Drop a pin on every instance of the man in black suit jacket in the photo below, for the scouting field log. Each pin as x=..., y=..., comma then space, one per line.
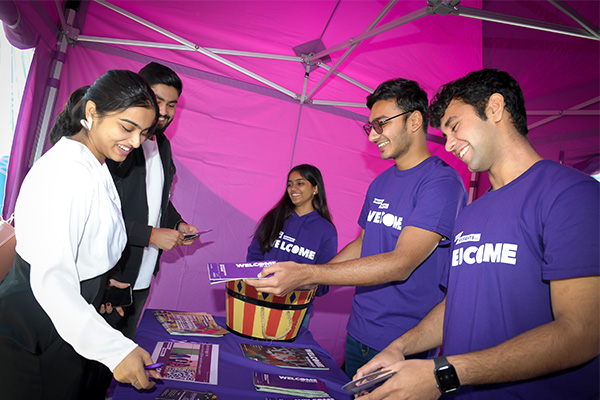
x=153, y=224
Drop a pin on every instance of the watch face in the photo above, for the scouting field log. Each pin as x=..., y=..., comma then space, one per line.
x=447, y=379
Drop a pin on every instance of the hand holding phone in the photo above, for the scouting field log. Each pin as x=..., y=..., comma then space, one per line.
x=118, y=297
x=190, y=236
x=368, y=382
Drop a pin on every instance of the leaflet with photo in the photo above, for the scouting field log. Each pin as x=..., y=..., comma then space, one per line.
x=223, y=272
x=286, y=357
x=188, y=361
x=291, y=385
x=189, y=323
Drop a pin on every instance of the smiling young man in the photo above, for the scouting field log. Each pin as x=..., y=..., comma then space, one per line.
x=153, y=224
x=397, y=260
x=521, y=316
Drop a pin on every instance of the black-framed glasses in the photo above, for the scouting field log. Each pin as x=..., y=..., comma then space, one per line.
x=378, y=125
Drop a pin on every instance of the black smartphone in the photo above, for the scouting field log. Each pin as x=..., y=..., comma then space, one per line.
x=118, y=297
x=190, y=236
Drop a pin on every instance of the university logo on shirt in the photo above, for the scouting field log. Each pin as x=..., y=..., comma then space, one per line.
x=382, y=217
x=287, y=243
x=502, y=253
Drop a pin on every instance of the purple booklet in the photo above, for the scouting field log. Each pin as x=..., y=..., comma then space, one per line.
x=291, y=385
x=223, y=272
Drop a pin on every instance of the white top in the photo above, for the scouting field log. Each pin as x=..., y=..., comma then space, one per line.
x=155, y=180
x=69, y=228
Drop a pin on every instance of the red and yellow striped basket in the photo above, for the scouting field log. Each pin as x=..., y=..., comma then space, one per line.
x=263, y=316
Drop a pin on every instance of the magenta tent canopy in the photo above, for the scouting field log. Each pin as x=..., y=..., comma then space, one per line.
x=272, y=84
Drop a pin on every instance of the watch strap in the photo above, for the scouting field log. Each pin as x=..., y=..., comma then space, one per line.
x=439, y=361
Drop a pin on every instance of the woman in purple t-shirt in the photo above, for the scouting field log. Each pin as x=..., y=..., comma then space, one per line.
x=298, y=228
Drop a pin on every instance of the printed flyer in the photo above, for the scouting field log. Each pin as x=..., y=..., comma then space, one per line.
x=188, y=362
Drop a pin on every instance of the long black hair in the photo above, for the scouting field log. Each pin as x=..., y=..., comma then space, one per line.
x=272, y=223
x=116, y=90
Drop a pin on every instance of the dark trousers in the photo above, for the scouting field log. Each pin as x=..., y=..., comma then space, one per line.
x=35, y=362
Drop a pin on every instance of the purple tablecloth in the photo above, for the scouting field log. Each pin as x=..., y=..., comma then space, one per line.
x=235, y=371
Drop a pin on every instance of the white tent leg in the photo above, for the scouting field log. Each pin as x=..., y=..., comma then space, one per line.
x=51, y=92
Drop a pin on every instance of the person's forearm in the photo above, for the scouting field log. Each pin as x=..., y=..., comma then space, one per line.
x=350, y=252
x=426, y=335
x=542, y=350
x=413, y=247
x=571, y=339
x=365, y=271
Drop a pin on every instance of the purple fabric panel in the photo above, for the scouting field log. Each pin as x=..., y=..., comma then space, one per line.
x=37, y=21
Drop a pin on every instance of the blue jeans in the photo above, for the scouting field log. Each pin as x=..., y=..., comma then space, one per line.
x=357, y=355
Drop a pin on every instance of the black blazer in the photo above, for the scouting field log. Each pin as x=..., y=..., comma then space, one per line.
x=130, y=179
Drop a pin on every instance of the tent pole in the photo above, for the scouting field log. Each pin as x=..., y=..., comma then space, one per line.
x=51, y=90
x=348, y=51
x=577, y=107
x=337, y=103
x=575, y=16
x=346, y=77
x=473, y=186
x=157, y=45
x=198, y=48
x=413, y=16
x=562, y=113
x=306, y=74
x=522, y=22
x=61, y=17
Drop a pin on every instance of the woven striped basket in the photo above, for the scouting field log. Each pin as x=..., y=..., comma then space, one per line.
x=257, y=315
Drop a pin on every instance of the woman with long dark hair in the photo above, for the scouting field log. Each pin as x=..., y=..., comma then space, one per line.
x=299, y=227
x=70, y=232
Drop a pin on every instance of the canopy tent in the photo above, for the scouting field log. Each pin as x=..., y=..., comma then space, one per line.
x=272, y=84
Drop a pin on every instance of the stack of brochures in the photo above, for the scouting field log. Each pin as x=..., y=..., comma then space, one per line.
x=189, y=323
x=290, y=385
x=281, y=356
x=223, y=272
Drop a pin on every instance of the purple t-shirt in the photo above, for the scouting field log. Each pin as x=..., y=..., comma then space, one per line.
x=428, y=196
x=309, y=239
x=507, y=246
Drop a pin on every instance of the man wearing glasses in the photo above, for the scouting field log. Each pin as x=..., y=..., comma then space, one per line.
x=408, y=215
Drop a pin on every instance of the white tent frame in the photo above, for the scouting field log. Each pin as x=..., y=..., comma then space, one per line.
x=440, y=7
